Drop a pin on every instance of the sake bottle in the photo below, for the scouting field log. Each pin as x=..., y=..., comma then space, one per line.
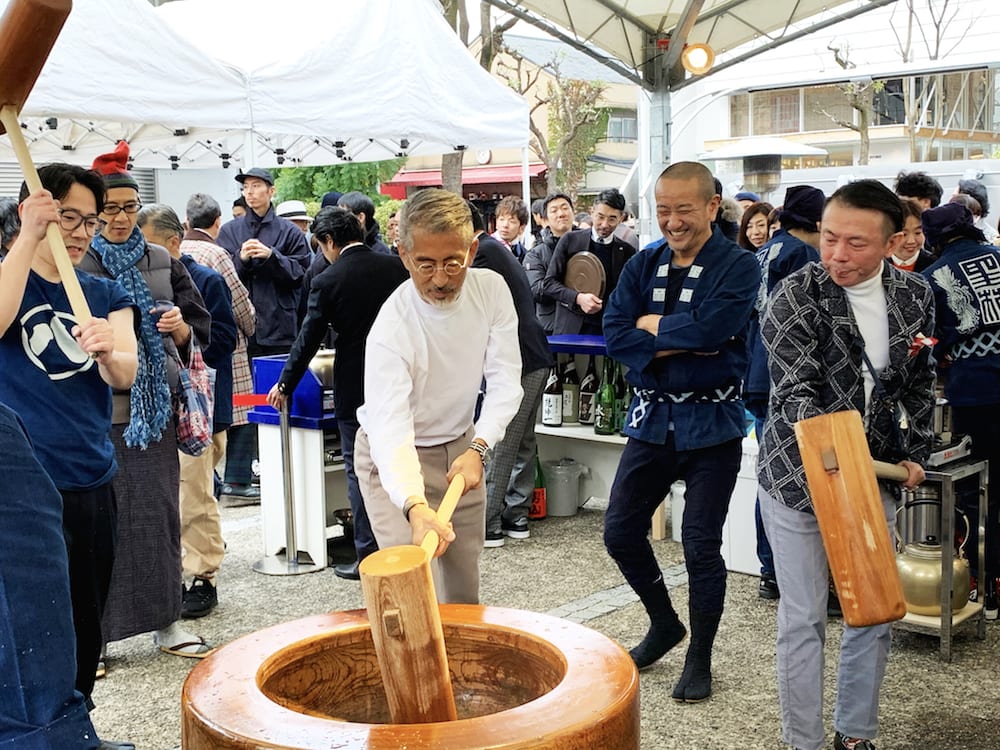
x=588, y=393
x=552, y=400
x=538, y=506
x=571, y=392
x=604, y=408
x=623, y=398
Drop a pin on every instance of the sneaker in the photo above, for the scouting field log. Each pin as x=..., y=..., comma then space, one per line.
x=516, y=529
x=840, y=742
x=493, y=539
x=199, y=600
x=768, y=588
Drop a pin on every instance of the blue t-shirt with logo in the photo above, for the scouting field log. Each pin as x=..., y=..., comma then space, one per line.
x=55, y=387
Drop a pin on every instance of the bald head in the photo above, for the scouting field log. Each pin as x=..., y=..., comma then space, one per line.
x=694, y=172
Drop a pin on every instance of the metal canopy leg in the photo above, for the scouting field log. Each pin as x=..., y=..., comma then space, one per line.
x=291, y=562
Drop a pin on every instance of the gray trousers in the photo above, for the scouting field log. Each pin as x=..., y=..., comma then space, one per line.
x=510, y=475
x=800, y=566
x=456, y=572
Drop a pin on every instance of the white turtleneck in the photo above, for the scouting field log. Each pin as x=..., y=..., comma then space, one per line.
x=867, y=300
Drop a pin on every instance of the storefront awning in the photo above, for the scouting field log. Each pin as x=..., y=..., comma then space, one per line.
x=506, y=173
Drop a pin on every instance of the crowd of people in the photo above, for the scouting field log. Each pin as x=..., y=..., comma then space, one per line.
x=819, y=304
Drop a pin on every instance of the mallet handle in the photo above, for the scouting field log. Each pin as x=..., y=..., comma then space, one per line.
x=885, y=470
x=81, y=310
x=444, y=511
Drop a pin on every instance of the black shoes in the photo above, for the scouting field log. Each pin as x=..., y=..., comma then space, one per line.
x=516, y=529
x=493, y=539
x=199, y=600
x=840, y=742
x=110, y=745
x=348, y=571
x=658, y=641
x=768, y=588
x=238, y=495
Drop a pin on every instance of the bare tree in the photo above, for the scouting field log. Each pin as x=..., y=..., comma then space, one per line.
x=921, y=109
x=571, y=106
x=491, y=39
x=859, y=96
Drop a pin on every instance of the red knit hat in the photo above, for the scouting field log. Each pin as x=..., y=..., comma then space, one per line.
x=114, y=168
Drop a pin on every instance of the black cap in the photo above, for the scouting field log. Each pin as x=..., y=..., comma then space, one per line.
x=259, y=173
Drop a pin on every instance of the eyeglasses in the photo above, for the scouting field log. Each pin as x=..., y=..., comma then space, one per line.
x=70, y=219
x=450, y=267
x=113, y=209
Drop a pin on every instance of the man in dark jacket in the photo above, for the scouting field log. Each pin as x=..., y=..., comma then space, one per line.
x=345, y=297
x=582, y=312
x=510, y=474
x=271, y=256
x=677, y=320
x=558, y=208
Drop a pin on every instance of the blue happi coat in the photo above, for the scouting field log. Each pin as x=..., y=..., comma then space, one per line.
x=696, y=393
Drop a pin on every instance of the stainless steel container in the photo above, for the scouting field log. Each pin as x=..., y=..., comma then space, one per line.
x=922, y=517
x=321, y=365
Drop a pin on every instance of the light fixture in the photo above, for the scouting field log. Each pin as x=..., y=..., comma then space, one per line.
x=697, y=59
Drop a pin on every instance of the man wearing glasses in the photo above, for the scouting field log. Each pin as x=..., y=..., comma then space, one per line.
x=433, y=343
x=58, y=374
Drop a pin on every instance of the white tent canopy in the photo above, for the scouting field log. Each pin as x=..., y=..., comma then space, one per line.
x=199, y=83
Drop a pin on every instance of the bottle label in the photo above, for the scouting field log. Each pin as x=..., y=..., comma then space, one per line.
x=538, y=507
x=571, y=403
x=586, y=408
x=552, y=409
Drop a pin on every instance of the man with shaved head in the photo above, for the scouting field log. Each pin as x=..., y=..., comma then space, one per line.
x=677, y=320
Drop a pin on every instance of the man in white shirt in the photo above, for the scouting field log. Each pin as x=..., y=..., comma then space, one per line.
x=435, y=341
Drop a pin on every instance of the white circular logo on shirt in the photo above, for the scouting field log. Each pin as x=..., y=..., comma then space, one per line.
x=49, y=345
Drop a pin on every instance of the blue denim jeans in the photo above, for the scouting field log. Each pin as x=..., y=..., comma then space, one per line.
x=39, y=709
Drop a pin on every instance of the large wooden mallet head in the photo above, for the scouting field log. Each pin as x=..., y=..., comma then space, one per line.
x=848, y=507
x=406, y=625
x=28, y=30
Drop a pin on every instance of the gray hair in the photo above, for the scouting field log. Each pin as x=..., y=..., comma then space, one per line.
x=202, y=210
x=435, y=211
x=162, y=218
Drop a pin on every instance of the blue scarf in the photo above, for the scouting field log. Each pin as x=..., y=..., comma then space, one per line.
x=149, y=401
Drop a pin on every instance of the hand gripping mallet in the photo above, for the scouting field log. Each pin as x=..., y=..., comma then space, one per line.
x=406, y=625
x=28, y=30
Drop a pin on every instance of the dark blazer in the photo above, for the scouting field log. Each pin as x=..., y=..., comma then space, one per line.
x=569, y=318
x=535, y=354
x=346, y=297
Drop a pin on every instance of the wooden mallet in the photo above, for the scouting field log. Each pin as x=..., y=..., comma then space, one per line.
x=848, y=506
x=406, y=625
x=28, y=30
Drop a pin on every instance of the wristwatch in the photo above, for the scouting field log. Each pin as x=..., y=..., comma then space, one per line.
x=480, y=447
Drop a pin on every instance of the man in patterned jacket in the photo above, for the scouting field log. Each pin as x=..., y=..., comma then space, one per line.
x=842, y=334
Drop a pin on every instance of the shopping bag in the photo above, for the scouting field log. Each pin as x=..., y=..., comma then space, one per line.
x=194, y=402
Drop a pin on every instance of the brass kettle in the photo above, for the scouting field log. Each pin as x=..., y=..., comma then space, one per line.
x=919, y=566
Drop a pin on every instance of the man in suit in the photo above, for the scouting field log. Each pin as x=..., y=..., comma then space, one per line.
x=346, y=296
x=582, y=312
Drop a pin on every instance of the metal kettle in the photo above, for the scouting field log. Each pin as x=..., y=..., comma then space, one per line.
x=321, y=365
x=919, y=566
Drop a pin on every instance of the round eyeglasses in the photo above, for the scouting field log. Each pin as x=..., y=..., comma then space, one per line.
x=70, y=219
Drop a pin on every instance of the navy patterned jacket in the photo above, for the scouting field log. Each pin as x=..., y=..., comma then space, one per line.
x=815, y=364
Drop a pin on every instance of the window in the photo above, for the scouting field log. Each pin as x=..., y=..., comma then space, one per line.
x=820, y=100
x=776, y=112
x=739, y=115
x=623, y=127
x=890, y=109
